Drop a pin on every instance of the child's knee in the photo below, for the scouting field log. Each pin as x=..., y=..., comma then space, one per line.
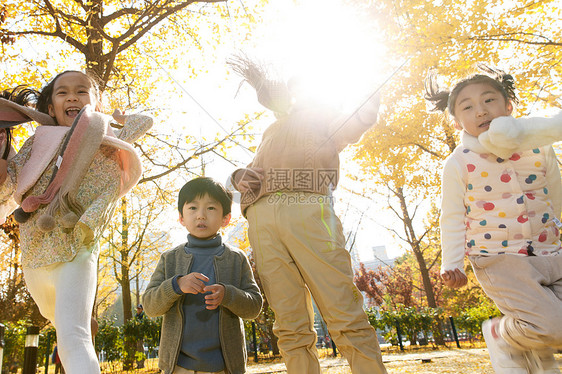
x=73, y=335
x=553, y=336
x=549, y=333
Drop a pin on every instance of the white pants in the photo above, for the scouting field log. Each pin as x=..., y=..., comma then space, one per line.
x=65, y=293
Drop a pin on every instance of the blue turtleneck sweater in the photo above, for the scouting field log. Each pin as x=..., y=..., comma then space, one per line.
x=200, y=347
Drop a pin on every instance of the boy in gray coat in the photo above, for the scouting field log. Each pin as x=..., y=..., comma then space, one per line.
x=203, y=288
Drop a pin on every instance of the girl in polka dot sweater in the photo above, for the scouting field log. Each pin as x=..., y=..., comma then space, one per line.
x=501, y=202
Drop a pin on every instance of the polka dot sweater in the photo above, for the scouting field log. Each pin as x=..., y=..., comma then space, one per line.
x=492, y=205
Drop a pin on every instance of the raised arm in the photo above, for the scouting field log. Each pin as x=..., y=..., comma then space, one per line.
x=349, y=127
x=134, y=125
x=508, y=135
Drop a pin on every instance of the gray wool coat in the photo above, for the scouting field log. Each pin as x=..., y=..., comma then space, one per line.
x=242, y=299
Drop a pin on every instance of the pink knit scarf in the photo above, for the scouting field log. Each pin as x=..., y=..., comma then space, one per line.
x=77, y=153
x=74, y=157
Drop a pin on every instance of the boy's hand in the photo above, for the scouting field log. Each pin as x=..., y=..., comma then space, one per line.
x=119, y=116
x=3, y=170
x=249, y=179
x=454, y=278
x=192, y=283
x=215, y=297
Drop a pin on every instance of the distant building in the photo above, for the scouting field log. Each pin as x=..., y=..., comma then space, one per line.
x=380, y=258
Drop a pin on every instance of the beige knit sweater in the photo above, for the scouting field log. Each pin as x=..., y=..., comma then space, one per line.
x=300, y=152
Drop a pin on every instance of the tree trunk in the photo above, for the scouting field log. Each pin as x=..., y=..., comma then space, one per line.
x=95, y=59
x=129, y=344
x=414, y=242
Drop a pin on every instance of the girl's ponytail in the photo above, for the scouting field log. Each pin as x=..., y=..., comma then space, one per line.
x=434, y=94
x=21, y=95
x=272, y=94
x=7, y=147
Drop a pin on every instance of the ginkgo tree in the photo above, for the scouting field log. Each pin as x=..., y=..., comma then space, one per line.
x=127, y=47
x=106, y=33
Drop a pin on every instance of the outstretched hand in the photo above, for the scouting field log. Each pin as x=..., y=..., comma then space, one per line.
x=119, y=116
x=454, y=278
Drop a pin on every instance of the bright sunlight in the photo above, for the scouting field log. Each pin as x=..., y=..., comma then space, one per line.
x=335, y=51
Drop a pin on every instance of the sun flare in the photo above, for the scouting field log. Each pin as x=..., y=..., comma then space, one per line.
x=333, y=49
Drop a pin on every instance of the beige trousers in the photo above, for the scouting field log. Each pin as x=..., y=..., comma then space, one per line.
x=299, y=249
x=528, y=291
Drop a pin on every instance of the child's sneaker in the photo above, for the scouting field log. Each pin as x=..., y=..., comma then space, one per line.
x=542, y=362
x=504, y=358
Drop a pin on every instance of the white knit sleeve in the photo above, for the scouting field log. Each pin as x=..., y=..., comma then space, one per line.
x=508, y=135
x=553, y=182
x=452, y=216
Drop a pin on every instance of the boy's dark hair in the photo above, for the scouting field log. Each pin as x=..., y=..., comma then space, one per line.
x=444, y=99
x=45, y=97
x=202, y=186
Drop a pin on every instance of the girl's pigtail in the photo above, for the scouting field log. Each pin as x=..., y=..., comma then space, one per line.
x=434, y=94
x=508, y=83
x=21, y=95
x=506, y=80
x=272, y=94
x=7, y=149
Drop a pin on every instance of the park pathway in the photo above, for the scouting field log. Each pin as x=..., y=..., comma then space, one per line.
x=478, y=354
